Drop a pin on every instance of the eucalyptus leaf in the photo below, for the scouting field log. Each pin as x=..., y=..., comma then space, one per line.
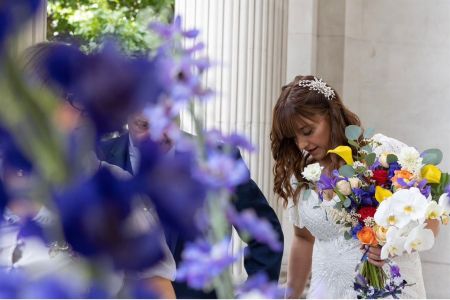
x=347, y=235
x=391, y=158
x=346, y=171
x=432, y=156
x=368, y=133
x=370, y=159
x=353, y=132
x=347, y=202
x=367, y=148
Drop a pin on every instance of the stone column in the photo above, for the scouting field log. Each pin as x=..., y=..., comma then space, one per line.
x=247, y=40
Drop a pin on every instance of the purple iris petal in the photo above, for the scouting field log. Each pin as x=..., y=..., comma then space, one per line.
x=392, y=168
x=247, y=221
x=95, y=218
x=262, y=286
x=31, y=228
x=203, y=262
x=12, y=156
x=173, y=189
x=356, y=229
x=366, y=196
x=395, y=270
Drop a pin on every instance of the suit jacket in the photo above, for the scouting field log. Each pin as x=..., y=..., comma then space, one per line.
x=259, y=257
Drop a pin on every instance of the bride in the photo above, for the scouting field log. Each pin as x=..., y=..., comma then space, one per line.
x=308, y=120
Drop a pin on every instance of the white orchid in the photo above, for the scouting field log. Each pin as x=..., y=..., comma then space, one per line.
x=387, y=214
x=394, y=243
x=419, y=239
x=410, y=204
x=444, y=202
x=312, y=172
x=434, y=210
x=410, y=160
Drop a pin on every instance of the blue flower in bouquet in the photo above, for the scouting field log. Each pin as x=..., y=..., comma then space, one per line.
x=95, y=216
x=395, y=166
x=259, y=287
x=169, y=181
x=366, y=196
x=109, y=85
x=13, y=14
x=11, y=282
x=202, y=262
x=356, y=229
x=31, y=228
x=259, y=229
x=214, y=139
x=4, y=198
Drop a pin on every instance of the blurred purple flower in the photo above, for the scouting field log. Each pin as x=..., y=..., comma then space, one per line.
x=395, y=270
x=169, y=182
x=392, y=168
x=248, y=222
x=220, y=170
x=109, y=85
x=174, y=30
x=10, y=154
x=31, y=228
x=202, y=262
x=96, y=221
x=214, y=139
x=4, y=199
x=259, y=286
x=13, y=14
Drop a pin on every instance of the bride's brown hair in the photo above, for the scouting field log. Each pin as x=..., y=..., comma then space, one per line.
x=295, y=103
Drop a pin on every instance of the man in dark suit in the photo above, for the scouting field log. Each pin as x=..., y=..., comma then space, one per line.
x=121, y=151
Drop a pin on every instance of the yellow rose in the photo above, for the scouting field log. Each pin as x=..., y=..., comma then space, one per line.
x=380, y=233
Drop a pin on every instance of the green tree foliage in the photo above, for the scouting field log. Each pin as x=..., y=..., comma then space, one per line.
x=87, y=22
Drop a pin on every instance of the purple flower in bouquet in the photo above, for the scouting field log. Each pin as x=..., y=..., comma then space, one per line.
x=366, y=196
x=214, y=139
x=203, y=262
x=31, y=228
x=174, y=30
x=395, y=270
x=259, y=286
x=259, y=229
x=169, y=181
x=395, y=166
x=95, y=216
x=355, y=230
x=13, y=14
x=4, y=198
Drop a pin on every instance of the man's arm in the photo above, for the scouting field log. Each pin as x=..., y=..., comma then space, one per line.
x=260, y=257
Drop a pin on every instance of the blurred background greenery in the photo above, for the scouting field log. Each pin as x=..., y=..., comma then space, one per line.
x=87, y=22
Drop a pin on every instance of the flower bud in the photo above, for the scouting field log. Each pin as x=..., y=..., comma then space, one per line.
x=354, y=182
x=344, y=187
x=383, y=160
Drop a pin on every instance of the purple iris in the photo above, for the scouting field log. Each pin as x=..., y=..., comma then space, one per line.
x=248, y=222
x=395, y=270
x=215, y=139
x=262, y=286
x=356, y=229
x=12, y=156
x=4, y=199
x=395, y=166
x=203, y=262
x=95, y=216
x=169, y=181
x=109, y=85
x=366, y=196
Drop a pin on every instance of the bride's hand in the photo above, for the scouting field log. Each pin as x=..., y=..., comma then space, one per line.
x=373, y=255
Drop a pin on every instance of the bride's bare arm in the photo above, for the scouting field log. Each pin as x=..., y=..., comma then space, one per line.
x=300, y=259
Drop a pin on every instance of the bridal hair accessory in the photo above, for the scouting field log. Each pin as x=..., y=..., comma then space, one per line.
x=318, y=85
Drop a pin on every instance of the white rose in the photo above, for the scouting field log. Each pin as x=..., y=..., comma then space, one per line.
x=312, y=172
x=344, y=187
x=383, y=160
x=354, y=182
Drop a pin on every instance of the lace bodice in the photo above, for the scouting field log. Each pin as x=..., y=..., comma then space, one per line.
x=334, y=258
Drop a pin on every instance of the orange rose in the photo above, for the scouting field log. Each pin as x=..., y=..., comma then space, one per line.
x=367, y=237
x=405, y=175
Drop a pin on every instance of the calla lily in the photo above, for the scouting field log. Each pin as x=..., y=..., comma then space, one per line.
x=345, y=152
x=431, y=173
x=381, y=193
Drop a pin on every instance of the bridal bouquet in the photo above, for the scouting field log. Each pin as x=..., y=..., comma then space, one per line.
x=384, y=199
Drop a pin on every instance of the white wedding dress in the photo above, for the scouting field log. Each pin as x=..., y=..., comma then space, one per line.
x=334, y=258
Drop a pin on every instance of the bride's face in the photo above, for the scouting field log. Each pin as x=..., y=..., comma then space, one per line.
x=313, y=135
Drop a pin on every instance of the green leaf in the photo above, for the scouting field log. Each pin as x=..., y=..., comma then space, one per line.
x=347, y=235
x=367, y=148
x=338, y=206
x=306, y=194
x=432, y=156
x=346, y=171
x=368, y=133
x=353, y=132
x=347, y=202
x=391, y=158
x=370, y=159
